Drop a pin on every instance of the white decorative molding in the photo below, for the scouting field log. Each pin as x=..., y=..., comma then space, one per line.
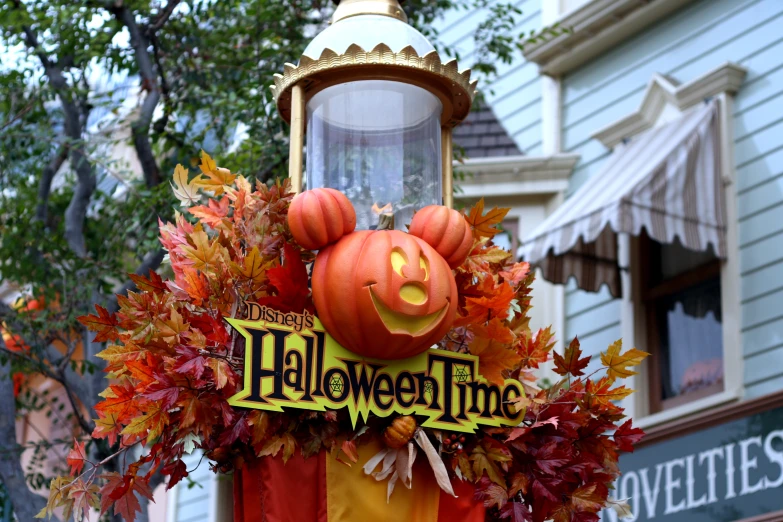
x=663, y=91
x=514, y=175
x=595, y=27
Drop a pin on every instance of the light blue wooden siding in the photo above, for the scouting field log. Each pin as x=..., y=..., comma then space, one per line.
x=194, y=503
x=515, y=93
x=594, y=317
x=684, y=46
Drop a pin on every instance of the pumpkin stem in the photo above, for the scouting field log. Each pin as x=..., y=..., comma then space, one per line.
x=385, y=222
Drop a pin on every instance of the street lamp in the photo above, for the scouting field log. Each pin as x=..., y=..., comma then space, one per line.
x=377, y=105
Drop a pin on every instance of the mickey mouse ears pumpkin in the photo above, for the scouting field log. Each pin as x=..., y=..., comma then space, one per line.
x=320, y=217
x=381, y=293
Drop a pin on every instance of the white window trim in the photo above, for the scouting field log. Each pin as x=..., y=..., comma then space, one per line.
x=596, y=26
x=515, y=175
x=721, y=83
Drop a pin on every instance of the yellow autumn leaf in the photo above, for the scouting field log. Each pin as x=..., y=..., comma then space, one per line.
x=485, y=459
x=148, y=425
x=217, y=178
x=184, y=190
x=254, y=266
x=220, y=370
x=202, y=253
x=170, y=329
x=618, y=365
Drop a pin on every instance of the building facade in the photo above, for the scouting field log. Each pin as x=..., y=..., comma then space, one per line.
x=659, y=220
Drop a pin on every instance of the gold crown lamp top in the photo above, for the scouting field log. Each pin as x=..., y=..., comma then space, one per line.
x=371, y=40
x=348, y=8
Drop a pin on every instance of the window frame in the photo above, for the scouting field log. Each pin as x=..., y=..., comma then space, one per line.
x=648, y=296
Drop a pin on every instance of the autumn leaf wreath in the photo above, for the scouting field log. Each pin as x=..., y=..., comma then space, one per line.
x=173, y=362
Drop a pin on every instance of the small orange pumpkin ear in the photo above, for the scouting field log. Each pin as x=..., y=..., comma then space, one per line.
x=446, y=231
x=320, y=216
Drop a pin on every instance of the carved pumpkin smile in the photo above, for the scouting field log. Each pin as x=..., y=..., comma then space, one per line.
x=398, y=322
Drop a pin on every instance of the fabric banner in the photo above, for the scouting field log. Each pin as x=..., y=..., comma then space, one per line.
x=321, y=489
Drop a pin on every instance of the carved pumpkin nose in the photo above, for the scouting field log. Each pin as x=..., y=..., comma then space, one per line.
x=413, y=293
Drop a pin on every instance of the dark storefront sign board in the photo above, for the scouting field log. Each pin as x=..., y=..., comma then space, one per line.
x=724, y=466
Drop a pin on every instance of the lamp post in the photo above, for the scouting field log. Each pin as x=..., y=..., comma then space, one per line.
x=375, y=105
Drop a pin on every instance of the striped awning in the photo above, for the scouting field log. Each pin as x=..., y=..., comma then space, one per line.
x=666, y=180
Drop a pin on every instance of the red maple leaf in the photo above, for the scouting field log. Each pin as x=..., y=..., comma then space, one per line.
x=570, y=362
x=190, y=362
x=516, y=512
x=104, y=323
x=120, y=491
x=626, y=436
x=165, y=390
x=152, y=284
x=176, y=471
x=76, y=457
x=551, y=457
x=289, y=281
x=492, y=494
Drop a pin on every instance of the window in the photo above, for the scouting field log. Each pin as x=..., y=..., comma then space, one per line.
x=681, y=293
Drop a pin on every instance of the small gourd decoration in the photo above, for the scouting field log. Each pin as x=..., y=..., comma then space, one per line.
x=383, y=294
x=400, y=431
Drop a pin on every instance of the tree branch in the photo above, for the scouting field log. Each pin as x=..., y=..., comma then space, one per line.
x=50, y=363
x=149, y=82
x=163, y=17
x=45, y=183
x=26, y=503
x=85, y=186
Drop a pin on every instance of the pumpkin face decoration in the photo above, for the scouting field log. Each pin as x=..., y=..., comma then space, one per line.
x=384, y=294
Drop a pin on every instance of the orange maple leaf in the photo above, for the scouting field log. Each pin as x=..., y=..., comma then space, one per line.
x=212, y=214
x=494, y=358
x=195, y=285
x=516, y=273
x=204, y=253
x=495, y=329
x=484, y=225
x=216, y=178
x=483, y=309
x=603, y=393
x=535, y=349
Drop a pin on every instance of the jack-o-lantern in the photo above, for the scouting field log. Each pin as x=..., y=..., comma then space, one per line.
x=384, y=293
x=380, y=293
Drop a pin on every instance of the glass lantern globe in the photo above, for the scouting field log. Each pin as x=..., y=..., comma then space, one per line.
x=378, y=142
x=372, y=105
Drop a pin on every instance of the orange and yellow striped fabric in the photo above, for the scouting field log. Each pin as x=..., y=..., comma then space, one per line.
x=320, y=489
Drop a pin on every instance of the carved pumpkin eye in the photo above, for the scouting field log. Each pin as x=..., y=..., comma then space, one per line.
x=425, y=266
x=398, y=260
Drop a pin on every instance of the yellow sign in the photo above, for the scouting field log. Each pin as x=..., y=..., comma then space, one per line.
x=291, y=362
